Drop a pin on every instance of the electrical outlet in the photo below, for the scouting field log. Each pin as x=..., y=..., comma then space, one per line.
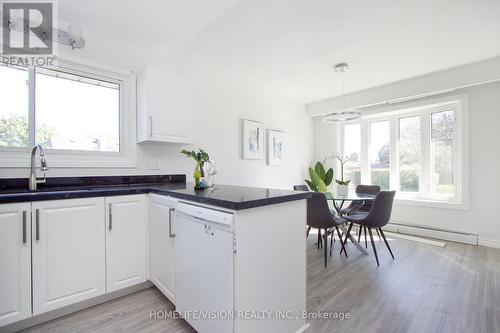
x=154, y=164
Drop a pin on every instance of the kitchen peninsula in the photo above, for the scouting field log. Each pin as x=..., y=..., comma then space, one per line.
x=228, y=251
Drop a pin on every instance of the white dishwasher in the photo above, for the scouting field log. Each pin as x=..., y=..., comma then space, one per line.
x=204, y=268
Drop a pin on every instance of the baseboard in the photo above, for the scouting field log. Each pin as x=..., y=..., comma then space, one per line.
x=44, y=317
x=493, y=243
x=449, y=235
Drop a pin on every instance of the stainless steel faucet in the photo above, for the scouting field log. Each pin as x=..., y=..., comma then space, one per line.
x=43, y=166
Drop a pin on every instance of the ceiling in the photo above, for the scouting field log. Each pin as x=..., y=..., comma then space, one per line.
x=290, y=46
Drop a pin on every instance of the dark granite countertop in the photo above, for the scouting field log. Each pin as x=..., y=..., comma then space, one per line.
x=226, y=196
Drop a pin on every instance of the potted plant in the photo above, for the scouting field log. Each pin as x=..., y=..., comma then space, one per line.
x=320, y=179
x=201, y=157
x=342, y=185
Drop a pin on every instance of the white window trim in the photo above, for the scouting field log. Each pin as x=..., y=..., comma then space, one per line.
x=57, y=158
x=393, y=113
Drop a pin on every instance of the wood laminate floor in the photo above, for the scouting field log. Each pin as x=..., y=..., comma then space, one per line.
x=425, y=289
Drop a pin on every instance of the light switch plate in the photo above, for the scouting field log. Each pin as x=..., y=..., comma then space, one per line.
x=154, y=164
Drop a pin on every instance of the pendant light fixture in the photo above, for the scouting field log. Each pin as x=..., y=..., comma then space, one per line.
x=345, y=114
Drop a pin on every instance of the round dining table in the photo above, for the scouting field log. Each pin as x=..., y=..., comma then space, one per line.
x=338, y=203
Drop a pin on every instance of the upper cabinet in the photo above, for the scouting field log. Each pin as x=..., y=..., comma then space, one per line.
x=165, y=108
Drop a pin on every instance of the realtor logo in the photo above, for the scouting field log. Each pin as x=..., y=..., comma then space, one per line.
x=28, y=28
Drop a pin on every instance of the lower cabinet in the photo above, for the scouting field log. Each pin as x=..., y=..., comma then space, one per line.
x=161, y=217
x=126, y=241
x=15, y=262
x=60, y=252
x=68, y=252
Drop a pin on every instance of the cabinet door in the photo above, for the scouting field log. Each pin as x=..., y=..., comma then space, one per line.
x=68, y=252
x=165, y=107
x=15, y=263
x=161, y=243
x=126, y=241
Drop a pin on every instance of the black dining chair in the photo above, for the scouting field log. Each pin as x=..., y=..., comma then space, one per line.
x=300, y=188
x=306, y=188
x=319, y=216
x=378, y=216
x=363, y=206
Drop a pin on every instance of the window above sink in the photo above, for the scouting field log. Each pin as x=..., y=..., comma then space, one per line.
x=81, y=114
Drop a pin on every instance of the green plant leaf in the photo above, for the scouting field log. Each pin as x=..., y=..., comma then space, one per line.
x=187, y=153
x=320, y=170
x=311, y=186
x=329, y=177
x=317, y=181
x=204, y=156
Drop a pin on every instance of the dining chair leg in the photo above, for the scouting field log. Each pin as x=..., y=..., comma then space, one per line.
x=373, y=245
x=325, y=247
x=380, y=239
x=320, y=240
x=332, y=239
x=360, y=228
x=308, y=231
x=347, y=236
x=341, y=244
x=386, y=243
x=366, y=240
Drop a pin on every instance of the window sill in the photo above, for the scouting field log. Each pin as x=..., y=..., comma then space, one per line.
x=413, y=202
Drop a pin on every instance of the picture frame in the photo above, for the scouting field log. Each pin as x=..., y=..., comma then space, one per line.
x=276, y=147
x=252, y=140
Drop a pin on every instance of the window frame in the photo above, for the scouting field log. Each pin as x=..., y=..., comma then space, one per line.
x=17, y=157
x=423, y=108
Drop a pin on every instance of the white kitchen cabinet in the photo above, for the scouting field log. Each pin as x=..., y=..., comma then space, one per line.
x=68, y=252
x=126, y=241
x=162, y=226
x=15, y=262
x=165, y=107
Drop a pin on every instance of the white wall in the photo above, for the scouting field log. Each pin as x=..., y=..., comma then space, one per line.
x=222, y=100
x=484, y=160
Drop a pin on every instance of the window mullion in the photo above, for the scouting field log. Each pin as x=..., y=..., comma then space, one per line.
x=425, y=168
x=365, y=160
x=394, y=153
x=457, y=154
x=31, y=106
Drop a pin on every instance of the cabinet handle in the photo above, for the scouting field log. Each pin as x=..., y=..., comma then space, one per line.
x=170, y=234
x=25, y=221
x=110, y=216
x=37, y=224
x=150, y=126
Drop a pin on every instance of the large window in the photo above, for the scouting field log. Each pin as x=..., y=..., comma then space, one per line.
x=417, y=151
x=14, y=108
x=352, y=150
x=58, y=110
x=410, y=160
x=380, y=154
x=442, y=151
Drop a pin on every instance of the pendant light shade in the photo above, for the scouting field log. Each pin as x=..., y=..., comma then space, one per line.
x=342, y=116
x=345, y=114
